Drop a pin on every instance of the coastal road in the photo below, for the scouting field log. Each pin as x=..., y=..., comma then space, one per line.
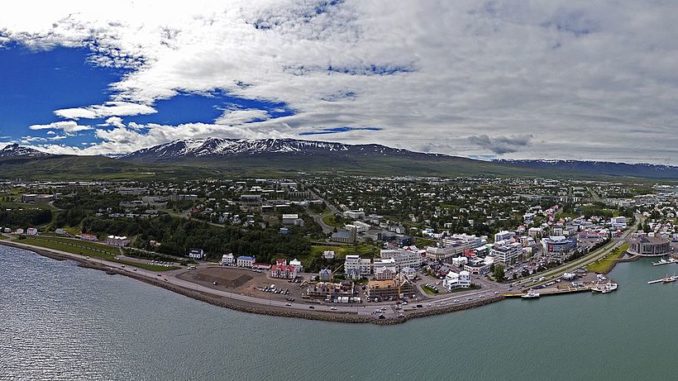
x=580, y=262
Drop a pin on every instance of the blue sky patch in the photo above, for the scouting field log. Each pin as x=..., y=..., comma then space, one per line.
x=337, y=130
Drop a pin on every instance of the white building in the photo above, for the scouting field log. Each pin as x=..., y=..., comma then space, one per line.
x=506, y=254
x=454, y=246
x=292, y=219
x=117, y=241
x=228, y=259
x=459, y=261
x=297, y=265
x=356, y=267
x=245, y=261
x=503, y=236
x=403, y=258
x=453, y=280
x=196, y=254
x=384, y=268
x=354, y=214
x=409, y=273
x=32, y=231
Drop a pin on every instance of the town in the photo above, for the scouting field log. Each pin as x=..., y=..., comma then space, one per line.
x=382, y=248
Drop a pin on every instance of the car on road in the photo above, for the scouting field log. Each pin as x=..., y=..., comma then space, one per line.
x=288, y=305
x=333, y=308
x=311, y=307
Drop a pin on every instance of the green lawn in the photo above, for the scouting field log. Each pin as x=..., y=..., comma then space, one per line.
x=90, y=249
x=604, y=265
x=330, y=219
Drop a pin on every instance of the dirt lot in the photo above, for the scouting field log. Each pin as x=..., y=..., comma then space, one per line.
x=243, y=281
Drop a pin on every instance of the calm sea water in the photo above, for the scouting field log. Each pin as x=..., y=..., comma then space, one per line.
x=62, y=322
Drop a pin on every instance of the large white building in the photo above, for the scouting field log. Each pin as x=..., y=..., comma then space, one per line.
x=403, y=258
x=454, y=246
x=356, y=267
x=228, y=259
x=245, y=261
x=453, y=280
x=506, y=254
x=503, y=236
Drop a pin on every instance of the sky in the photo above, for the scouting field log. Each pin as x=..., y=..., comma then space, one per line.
x=556, y=79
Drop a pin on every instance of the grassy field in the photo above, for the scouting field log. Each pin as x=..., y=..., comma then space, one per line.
x=604, y=265
x=90, y=249
x=330, y=219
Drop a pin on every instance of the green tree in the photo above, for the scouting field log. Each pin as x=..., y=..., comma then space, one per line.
x=498, y=273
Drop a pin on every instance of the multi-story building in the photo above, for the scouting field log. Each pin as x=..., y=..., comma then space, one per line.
x=402, y=257
x=506, y=254
x=245, y=261
x=356, y=267
x=461, y=280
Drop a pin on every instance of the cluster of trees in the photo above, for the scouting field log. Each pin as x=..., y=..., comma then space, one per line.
x=177, y=236
x=24, y=217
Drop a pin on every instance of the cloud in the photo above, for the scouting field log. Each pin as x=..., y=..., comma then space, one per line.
x=235, y=117
x=501, y=144
x=69, y=127
x=429, y=73
x=106, y=110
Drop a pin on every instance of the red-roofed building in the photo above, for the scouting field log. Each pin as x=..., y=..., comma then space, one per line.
x=282, y=270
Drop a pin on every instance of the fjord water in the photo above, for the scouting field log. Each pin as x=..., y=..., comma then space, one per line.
x=62, y=322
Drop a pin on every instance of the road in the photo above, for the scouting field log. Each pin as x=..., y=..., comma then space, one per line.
x=581, y=262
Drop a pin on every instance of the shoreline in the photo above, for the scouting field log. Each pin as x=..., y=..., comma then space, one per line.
x=244, y=306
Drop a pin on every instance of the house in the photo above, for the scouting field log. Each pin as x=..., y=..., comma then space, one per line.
x=88, y=237
x=409, y=273
x=196, y=254
x=325, y=275
x=32, y=231
x=282, y=270
x=384, y=273
x=328, y=254
x=117, y=241
x=228, y=259
x=297, y=265
x=245, y=261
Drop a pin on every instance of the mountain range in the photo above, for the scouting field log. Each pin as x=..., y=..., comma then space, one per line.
x=219, y=156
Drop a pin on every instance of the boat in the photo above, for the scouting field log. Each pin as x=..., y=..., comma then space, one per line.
x=670, y=279
x=661, y=262
x=605, y=288
x=664, y=261
x=531, y=294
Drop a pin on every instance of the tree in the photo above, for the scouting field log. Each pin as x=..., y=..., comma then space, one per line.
x=498, y=273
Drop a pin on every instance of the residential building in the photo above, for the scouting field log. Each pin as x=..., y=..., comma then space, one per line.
x=117, y=241
x=503, y=236
x=282, y=270
x=196, y=254
x=356, y=267
x=228, y=259
x=245, y=261
x=325, y=275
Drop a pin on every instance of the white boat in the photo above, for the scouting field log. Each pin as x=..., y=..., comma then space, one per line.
x=605, y=288
x=531, y=294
